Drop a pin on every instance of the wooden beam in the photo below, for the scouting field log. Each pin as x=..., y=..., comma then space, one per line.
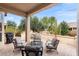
x=41, y=7
x=9, y=9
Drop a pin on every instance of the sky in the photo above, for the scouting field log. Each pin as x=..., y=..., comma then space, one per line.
x=63, y=12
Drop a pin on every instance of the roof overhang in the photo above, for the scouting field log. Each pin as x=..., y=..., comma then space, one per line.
x=24, y=9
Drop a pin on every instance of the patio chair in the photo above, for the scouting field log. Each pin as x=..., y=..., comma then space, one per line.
x=52, y=44
x=18, y=44
x=37, y=37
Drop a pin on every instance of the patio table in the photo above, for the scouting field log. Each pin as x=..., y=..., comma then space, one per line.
x=35, y=49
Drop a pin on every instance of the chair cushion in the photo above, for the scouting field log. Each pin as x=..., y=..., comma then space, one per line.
x=52, y=44
x=20, y=42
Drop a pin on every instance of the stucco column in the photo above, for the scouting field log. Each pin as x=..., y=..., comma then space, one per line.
x=2, y=22
x=3, y=38
x=78, y=31
x=27, y=28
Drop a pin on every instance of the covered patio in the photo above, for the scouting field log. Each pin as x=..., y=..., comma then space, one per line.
x=26, y=10
x=64, y=48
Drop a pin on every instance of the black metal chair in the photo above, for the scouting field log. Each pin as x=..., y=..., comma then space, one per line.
x=18, y=44
x=52, y=44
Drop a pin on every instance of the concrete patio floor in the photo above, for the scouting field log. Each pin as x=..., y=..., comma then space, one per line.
x=65, y=48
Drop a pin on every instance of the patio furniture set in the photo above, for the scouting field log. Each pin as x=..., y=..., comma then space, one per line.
x=35, y=47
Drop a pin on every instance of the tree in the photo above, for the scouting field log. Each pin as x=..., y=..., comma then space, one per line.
x=11, y=23
x=40, y=26
x=36, y=24
x=53, y=28
x=45, y=22
x=59, y=29
x=21, y=26
x=64, y=28
x=10, y=26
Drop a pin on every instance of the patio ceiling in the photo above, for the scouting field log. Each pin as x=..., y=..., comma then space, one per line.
x=24, y=9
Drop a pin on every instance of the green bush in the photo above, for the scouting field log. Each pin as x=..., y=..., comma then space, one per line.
x=64, y=28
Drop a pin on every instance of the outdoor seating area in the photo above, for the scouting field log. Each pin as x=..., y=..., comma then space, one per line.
x=35, y=46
